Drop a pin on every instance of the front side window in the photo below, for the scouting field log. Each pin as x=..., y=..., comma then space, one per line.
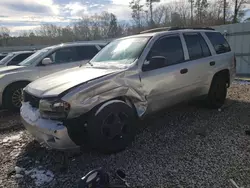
x=35, y=57
x=219, y=42
x=170, y=48
x=64, y=55
x=197, y=47
x=120, y=53
x=86, y=52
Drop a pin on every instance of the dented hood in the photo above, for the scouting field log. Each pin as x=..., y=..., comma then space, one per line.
x=54, y=84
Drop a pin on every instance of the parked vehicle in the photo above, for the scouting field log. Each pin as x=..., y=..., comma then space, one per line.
x=97, y=105
x=3, y=55
x=46, y=61
x=15, y=58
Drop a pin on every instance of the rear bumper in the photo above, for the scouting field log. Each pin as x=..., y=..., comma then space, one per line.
x=49, y=132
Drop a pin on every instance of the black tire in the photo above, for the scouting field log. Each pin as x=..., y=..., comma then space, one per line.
x=217, y=92
x=13, y=96
x=101, y=133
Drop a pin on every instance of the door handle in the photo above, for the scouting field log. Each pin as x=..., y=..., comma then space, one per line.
x=183, y=71
x=212, y=63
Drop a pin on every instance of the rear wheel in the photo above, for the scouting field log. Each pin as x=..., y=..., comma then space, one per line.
x=13, y=96
x=217, y=92
x=111, y=127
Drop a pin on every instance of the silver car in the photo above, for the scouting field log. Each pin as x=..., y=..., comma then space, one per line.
x=46, y=61
x=14, y=58
x=98, y=104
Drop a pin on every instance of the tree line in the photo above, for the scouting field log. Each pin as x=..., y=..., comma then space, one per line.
x=153, y=14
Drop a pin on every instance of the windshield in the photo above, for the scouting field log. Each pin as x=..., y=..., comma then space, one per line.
x=32, y=59
x=120, y=53
x=6, y=59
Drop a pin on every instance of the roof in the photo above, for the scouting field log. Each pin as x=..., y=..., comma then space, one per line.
x=22, y=52
x=78, y=43
x=170, y=32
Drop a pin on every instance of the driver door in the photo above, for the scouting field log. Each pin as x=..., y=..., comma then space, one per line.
x=164, y=84
x=63, y=58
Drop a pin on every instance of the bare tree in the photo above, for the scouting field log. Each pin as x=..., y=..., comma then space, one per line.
x=192, y=10
x=201, y=7
x=137, y=12
x=4, y=35
x=150, y=5
x=238, y=5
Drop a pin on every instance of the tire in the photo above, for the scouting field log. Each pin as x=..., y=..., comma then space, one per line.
x=111, y=127
x=217, y=92
x=13, y=96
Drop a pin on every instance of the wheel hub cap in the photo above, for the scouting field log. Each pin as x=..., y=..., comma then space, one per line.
x=114, y=126
x=17, y=98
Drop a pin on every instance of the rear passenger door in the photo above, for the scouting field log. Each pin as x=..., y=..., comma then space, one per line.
x=199, y=62
x=223, y=56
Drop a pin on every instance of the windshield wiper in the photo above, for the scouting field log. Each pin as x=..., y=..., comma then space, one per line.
x=88, y=63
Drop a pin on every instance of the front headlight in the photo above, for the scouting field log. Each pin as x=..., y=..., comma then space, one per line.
x=54, y=109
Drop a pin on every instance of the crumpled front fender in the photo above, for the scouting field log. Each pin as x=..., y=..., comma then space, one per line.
x=98, y=91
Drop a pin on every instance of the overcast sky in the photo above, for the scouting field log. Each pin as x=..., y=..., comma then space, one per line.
x=29, y=14
x=20, y=15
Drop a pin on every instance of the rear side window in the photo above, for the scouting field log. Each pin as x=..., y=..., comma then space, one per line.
x=2, y=56
x=219, y=42
x=86, y=52
x=19, y=58
x=170, y=48
x=197, y=47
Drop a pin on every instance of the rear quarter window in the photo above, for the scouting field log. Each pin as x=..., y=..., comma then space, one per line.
x=219, y=42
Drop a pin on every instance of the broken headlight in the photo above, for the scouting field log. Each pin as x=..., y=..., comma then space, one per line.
x=54, y=109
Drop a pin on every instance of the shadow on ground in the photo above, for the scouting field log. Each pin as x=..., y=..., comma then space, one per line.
x=184, y=146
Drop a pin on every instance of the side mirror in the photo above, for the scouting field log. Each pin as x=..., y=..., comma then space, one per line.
x=160, y=61
x=155, y=62
x=46, y=61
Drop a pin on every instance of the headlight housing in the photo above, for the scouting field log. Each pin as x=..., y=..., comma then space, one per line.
x=54, y=109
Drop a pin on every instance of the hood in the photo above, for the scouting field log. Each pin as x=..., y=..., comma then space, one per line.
x=6, y=69
x=56, y=83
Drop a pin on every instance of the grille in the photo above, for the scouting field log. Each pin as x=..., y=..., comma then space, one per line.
x=34, y=101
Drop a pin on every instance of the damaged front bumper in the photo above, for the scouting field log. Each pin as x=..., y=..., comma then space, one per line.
x=49, y=132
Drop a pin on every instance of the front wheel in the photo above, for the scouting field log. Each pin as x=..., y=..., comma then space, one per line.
x=13, y=96
x=111, y=127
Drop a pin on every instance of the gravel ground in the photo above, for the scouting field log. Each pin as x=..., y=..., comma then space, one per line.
x=185, y=146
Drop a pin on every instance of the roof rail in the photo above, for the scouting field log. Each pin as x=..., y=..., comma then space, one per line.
x=195, y=28
x=155, y=30
x=173, y=29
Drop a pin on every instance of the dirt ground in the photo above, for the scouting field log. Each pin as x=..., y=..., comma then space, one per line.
x=184, y=146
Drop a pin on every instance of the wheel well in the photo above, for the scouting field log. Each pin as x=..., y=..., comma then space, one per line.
x=129, y=102
x=8, y=86
x=121, y=98
x=223, y=73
